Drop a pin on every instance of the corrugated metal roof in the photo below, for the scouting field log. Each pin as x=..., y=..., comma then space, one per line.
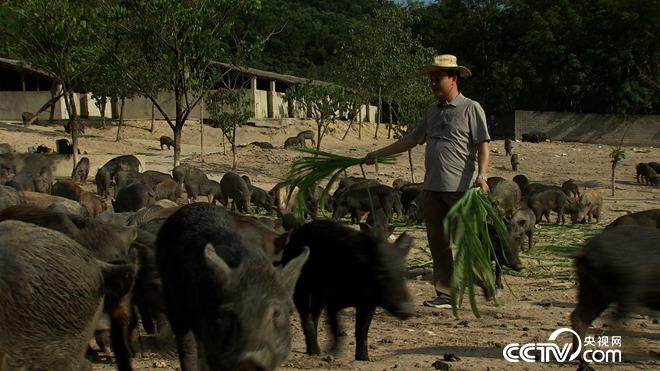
x=15, y=63
x=289, y=79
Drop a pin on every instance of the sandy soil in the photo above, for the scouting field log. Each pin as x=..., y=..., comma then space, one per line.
x=540, y=298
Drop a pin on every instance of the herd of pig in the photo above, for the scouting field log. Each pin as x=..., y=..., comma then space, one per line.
x=220, y=283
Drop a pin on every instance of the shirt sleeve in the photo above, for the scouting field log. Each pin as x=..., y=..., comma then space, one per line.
x=478, y=124
x=419, y=133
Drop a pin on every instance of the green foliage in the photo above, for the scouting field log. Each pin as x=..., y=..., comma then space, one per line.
x=597, y=56
x=325, y=101
x=57, y=37
x=467, y=223
x=618, y=154
x=306, y=35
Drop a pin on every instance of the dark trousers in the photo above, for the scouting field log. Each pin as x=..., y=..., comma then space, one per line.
x=436, y=207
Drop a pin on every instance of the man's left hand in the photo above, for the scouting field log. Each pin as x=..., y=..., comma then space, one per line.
x=482, y=183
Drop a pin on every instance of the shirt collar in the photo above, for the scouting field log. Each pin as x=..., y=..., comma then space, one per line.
x=454, y=102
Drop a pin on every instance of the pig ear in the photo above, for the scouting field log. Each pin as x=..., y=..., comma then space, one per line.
x=281, y=241
x=291, y=271
x=403, y=244
x=364, y=227
x=389, y=231
x=128, y=234
x=218, y=266
x=118, y=279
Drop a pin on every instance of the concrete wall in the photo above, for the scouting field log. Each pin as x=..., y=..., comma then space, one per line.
x=590, y=128
x=14, y=103
x=370, y=115
x=280, y=109
x=261, y=104
x=140, y=108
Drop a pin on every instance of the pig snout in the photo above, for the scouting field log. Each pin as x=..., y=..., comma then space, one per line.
x=403, y=310
x=254, y=361
x=516, y=266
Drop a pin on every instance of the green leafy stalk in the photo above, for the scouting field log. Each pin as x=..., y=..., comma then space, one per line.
x=467, y=224
x=307, y=172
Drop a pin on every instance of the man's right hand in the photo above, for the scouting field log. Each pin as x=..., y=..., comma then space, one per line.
x=370, y=158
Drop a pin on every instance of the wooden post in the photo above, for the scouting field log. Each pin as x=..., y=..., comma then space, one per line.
x=380, y=108
x=114, y=105
x=201, y=130
x=270, y=99
x=54, y=89
x=84, y=107
x=153, y=117
x=253, y=91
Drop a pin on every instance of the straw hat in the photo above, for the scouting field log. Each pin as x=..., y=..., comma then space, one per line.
x=445, y=62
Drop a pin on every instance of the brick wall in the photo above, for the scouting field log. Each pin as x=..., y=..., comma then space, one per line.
x=590, y=128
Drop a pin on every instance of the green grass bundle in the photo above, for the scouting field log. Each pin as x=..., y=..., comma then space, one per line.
x=467, y=224
x=307, y=172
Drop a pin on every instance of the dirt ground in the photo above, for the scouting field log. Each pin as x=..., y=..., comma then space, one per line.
x=540, y=299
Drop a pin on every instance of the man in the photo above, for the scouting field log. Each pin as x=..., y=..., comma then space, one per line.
x=492, y=125
x=457, y=156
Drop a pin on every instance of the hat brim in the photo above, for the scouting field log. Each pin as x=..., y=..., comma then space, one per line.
x=462, y=71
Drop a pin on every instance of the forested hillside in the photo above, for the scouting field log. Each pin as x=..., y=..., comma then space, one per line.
x=582, y=56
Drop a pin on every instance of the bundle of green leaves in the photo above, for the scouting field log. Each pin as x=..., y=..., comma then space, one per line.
x=307, y=172
x=467, y=224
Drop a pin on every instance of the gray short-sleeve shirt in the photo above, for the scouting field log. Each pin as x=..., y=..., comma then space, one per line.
x=451, y=132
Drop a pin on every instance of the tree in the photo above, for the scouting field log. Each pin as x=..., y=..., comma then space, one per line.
x=175, y=43
x=552, y=55
x=58, y=37
x=617, y=155
x=412, y=97
x=374, y=52
x=229, y=109
x=309, y=35
x=326, y=102
x=352, y=105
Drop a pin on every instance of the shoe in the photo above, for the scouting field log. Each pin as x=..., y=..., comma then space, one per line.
x=440, y=302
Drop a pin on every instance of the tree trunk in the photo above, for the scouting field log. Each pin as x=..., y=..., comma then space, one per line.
x=410, y=162
x=177, y=145
x=71, y=110
x=319, y=135
x=114, y=108
x=103, y=102
x=613, y=169
x=49, y=103
x=224, y=147
x=360, y=124
x=153, y=117
x=201, y=132
x=389, y=125
x=380, y=108
x=350, y=123
x=53, y=91
x=233, y=148
x=120, y=127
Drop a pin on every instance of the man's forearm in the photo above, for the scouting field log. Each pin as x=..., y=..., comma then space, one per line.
x=483, y=157
x=399, y=146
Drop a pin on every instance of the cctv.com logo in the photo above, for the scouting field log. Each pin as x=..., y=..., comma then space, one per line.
x=552, y=352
